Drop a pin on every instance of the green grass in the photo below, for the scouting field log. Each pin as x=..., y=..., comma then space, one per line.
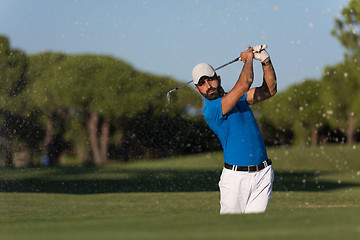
x=316, y=196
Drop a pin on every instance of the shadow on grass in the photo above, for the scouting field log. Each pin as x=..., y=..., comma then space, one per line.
x=94, y=180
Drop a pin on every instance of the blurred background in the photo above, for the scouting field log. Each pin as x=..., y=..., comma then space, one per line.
x=85, y=82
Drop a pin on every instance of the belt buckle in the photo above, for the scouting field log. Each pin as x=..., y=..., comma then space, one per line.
x=256, y=166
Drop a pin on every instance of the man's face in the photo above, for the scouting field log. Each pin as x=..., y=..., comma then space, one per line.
x=209, y=87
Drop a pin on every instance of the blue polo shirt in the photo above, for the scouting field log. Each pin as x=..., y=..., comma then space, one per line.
x=238, y=132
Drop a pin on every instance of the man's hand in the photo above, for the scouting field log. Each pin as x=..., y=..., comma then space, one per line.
x=247, y=54
x=260, y=53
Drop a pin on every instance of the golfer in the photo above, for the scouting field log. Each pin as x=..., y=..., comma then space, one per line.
x=247, y=177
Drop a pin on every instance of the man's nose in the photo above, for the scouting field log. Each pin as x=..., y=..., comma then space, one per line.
x=207, y=84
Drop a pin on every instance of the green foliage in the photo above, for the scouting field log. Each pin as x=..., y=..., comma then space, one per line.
x=18, y=130
x=41, y=74
x=341, y=87
x=356, y=106
x=151, y=135
x=102, y=84
x=53, y=94
x=75, y=86
x=66, y=89
x=298, y=109
x=347, y=27
x=329, y=104
x=13, y=66
x=307, y=109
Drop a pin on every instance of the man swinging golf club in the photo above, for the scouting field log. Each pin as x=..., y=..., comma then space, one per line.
x=247, y=177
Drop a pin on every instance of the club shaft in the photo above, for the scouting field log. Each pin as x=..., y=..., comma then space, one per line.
x=172, y=90
x=236, y=59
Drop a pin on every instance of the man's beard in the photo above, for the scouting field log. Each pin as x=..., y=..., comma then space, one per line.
x=217, y=92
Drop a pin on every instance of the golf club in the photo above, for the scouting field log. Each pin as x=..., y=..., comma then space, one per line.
x=172, y=90
x=262, y=47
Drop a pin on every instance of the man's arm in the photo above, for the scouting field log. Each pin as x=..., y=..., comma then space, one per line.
x=268, y=87
x=243, y=83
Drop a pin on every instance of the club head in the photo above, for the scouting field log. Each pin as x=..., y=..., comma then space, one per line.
x=168, y=97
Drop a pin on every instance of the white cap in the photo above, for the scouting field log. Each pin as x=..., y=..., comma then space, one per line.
x=200, y=70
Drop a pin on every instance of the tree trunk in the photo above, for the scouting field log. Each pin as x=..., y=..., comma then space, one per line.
x=104, y=140
x=350, y=131
x=92, y=128
x=49, y=133
x=99, y=150
x=314, y=136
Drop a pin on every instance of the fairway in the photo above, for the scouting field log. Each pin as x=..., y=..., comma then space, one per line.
x=316, y=196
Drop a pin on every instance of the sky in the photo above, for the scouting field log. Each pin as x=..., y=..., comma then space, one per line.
x=169, y=38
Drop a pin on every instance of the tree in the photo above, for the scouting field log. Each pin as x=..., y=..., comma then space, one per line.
x=17, y=117
x=51, y=101
x=345, y=76
x=294, y=115
x=84, y=88
x=347, y=28
x=307, y=110
x=341, y=88
x=93, y=93
x=42, y=97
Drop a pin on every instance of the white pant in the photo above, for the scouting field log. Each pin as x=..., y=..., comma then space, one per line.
x=243, y=192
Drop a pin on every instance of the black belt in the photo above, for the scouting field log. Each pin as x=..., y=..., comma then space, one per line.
x=252, y=168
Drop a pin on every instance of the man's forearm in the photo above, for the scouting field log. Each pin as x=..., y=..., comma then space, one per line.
x=269, y=76
x=242, y=84
x=240, y=89
x=246, y=77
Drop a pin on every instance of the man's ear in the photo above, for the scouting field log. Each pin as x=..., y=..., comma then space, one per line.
x=197, y=89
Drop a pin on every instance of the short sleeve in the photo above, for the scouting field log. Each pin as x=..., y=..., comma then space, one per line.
x=213, y=111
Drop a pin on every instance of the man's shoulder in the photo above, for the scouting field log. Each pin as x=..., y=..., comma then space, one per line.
x=212, y=104
x=217, y=102
x=212, y=109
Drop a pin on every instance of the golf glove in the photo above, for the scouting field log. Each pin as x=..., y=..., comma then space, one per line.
x=260, y=52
